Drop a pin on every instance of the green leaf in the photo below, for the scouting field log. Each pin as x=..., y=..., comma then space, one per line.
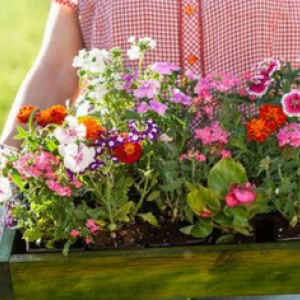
x=195, y=202
x=210, y=198
x=17, y=179
x=187, y=229
x=225, y=239
x=51, y=146
x=153, y=196
x=202, y=230
x=190, y=186
x=225, y=173
x=148, y=217
x=22, y=134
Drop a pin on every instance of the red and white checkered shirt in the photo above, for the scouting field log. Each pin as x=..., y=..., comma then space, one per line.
x=201, y=35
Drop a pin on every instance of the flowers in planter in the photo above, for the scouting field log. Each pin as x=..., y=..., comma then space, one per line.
x=208, y=151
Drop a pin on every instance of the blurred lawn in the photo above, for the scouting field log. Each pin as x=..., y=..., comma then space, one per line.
x=22, y=24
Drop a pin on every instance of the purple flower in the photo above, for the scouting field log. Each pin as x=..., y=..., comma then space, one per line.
x=165, y=68
x=191, y=75
x=147, y=89
x=158, y=107
x=180, y=97
x=143, y=108
x=129, y=79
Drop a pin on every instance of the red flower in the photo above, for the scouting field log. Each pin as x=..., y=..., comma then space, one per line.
x=25, y=113
x=55, y=115
x=43, y=118
x=274, y=115
x=128, y=153
x=258, y=130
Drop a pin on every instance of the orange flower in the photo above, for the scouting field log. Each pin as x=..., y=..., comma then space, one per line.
x=258, y=130
x=274, y=115
x=93, y=128
x=58, y=114
x=25, y=113
x=128, y=153
x=43, y=118
x=192, y=59
x=190, y=9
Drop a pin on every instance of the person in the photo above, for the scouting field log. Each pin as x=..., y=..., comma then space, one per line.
x=199, y=35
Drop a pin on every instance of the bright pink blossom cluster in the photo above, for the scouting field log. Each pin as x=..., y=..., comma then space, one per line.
x=92, y=226
x=213, y=134
x=289, y=135
x=44, y=166
x=241, y=194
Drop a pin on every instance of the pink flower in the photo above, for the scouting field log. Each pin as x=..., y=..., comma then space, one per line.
x=92, y=226
x=200, y=157
x=240, y=194
x=182, y=157
x=143, y=108
x=206, y=213
x=148, y=89
x=88, y=241
x=191, y=75
x=226, y=154
x=158, y=107
x=180, y=97
x=291, y=104
x=212, y=134
x=165, y=68
x=75, y=233
x=259, y=86
x=289, y=135
x=55, y=186
x=242, y=92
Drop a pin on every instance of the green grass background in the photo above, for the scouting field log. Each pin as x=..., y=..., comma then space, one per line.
x=22, y=25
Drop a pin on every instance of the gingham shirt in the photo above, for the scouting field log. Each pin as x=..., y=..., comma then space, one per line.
x=201, y=35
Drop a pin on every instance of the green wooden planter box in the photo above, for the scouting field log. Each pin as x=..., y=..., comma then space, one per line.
x=167, y=273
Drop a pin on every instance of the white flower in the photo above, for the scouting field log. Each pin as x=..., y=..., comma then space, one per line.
x=77, y=158
x=5, y=190
x=78, y=61
x=99, y=92
x=134, y=52
x=82, y=108
x=131, y=39
x=151, y=43
x=165, y=138
x=72, y=133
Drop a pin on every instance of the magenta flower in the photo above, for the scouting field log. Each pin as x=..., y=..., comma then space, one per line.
x=291, y=104
x=129, y=80
x=147, y=89
x=180, y=97
x=88, y=241
x=259, y=85
x=241, y=194
x=158, y=107
x=92, y=226
x=206, y=213
x=165, y=68
x=289, y=135
x=55, y=186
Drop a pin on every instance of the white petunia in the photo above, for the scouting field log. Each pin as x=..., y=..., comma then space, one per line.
x=131, y=39
x=82, y=109
x=72, y=133
x=77, y=158
x=165, y=138
x=5, y=190
x=134, y=52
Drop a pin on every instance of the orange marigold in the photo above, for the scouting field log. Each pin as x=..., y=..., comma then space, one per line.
x=43, y=118
x=274, y=115
x=25, y=113
x=93, y=128
x=258, y=130
x=58, y=113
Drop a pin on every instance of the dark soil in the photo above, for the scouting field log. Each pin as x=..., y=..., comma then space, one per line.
x=283, y=230
x=268, y=228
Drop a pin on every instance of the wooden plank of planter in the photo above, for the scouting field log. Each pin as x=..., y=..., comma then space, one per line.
x=6, y=288
x=212, y=271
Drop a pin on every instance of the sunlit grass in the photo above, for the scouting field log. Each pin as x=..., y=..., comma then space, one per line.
x=22, y=24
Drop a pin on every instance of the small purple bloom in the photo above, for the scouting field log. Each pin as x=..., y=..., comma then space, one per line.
x=158, y=107
x=143, y=108
x=129, y=79
x=165, y=68
x=147, y=89
x=180, y=97
x=191, y=75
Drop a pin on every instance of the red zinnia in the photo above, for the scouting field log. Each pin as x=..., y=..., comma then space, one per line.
x=258, y=130
x=274, y=115
x=128, y=153
x=25, y=113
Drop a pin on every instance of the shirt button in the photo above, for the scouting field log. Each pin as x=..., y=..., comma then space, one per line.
x=192, y=59
x=190, y=9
